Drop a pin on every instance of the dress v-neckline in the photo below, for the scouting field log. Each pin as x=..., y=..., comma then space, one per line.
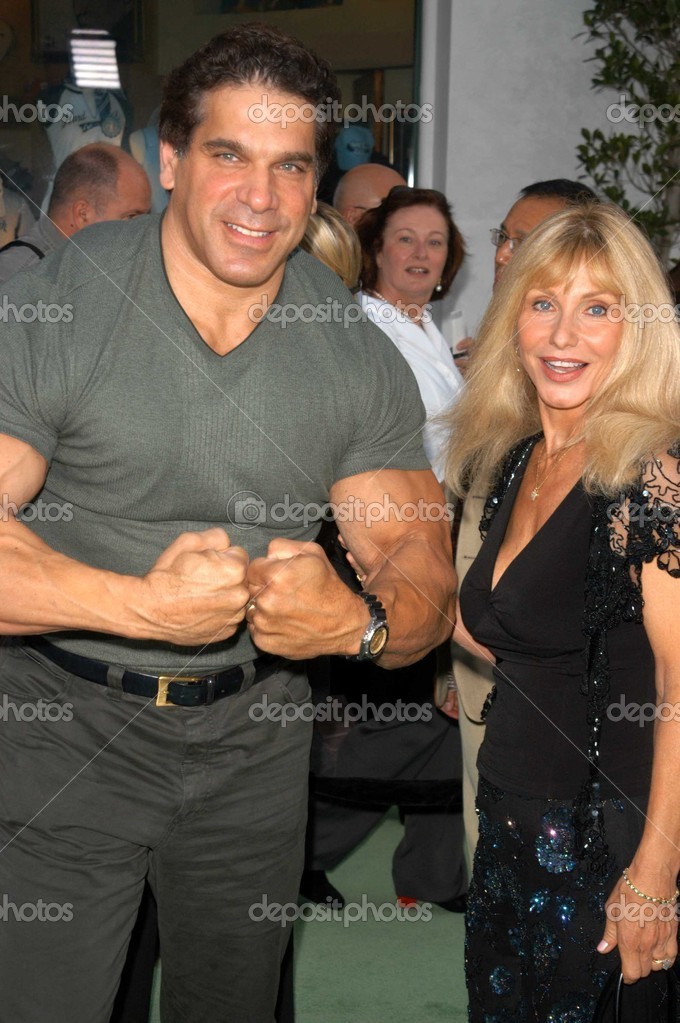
x=518, y=482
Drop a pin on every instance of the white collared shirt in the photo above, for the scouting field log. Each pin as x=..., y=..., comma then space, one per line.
x=431, y=361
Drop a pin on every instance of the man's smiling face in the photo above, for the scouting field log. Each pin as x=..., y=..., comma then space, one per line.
x=244, y=189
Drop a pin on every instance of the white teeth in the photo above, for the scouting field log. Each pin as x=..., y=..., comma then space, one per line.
x=558, y=364
x=418, y=270
x=251, y=234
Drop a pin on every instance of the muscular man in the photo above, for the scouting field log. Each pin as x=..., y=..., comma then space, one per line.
x=363, y=188
x=163, y=575
x=97, y=182
x=474, y=675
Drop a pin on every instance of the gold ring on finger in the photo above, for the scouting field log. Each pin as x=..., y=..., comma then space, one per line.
x=663, y=963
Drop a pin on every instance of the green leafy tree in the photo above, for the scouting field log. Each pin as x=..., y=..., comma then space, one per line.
x=638, y=54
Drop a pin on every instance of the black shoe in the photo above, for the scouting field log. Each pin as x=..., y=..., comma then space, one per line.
x=315, y=887
x=457, y=905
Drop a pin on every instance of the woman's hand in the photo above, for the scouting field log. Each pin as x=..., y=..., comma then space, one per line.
x=645, y=932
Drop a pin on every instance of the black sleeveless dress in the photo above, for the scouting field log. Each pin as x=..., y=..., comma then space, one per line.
x=535, y=907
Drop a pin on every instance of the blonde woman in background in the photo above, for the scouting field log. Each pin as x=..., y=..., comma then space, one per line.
x=332, y=240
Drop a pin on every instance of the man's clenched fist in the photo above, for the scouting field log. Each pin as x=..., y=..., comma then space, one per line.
x=299, y=607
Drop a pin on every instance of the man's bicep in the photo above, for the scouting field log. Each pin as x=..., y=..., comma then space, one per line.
x=374, y=510
x=22, y=471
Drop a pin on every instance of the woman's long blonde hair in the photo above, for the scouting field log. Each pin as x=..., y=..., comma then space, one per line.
x=332, y=240
x=635, y=413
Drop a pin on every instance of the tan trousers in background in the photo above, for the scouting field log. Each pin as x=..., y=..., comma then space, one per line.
x=473, y=676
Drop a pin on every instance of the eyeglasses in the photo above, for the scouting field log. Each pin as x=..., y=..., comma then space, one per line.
x=499, y=237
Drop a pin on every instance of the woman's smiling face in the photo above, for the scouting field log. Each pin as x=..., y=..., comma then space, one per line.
x=567, y=342
x=413, y=254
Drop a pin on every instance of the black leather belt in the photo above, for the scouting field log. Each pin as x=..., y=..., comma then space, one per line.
x=180, y=691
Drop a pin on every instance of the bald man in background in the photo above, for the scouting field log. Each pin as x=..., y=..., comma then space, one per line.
x=98, y=182
x=363, y=188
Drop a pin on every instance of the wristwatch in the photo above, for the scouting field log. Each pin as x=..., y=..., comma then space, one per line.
x=375, y=638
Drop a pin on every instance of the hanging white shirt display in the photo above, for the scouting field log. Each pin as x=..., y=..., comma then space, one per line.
x=94, y=115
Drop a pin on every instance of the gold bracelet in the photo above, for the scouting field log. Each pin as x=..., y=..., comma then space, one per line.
x=651, y=898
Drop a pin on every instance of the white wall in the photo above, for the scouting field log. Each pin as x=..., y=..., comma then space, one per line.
x=511, y=92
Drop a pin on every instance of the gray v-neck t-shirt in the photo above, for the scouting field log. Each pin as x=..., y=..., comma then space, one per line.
x=149, y=433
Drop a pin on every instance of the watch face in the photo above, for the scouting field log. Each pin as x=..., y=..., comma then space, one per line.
x=377, y=641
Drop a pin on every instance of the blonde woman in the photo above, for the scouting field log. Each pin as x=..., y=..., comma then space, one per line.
x=571, y=416
x=332, y=240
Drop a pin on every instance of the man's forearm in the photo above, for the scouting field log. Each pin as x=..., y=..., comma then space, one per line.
x=195, y=593
x=416, y=583
x=42, y=590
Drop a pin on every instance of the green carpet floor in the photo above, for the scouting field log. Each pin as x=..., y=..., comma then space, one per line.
x=377, y=971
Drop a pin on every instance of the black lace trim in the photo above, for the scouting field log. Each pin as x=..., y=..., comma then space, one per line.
x=638, y=527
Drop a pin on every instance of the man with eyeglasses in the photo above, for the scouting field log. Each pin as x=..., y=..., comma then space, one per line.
x=473, y=674
x=535, y=204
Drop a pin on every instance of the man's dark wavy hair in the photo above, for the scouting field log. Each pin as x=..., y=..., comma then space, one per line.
x=247, y=54
x=573, y=192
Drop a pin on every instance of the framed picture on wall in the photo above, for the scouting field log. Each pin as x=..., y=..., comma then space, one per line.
x=53, y=20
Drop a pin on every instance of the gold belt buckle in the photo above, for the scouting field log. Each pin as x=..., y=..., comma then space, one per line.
x=163, y=683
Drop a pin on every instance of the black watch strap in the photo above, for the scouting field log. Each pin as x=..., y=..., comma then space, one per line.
x=375, y=637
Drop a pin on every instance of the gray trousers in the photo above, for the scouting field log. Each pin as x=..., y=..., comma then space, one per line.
x=99, y=790
x=428, y=863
